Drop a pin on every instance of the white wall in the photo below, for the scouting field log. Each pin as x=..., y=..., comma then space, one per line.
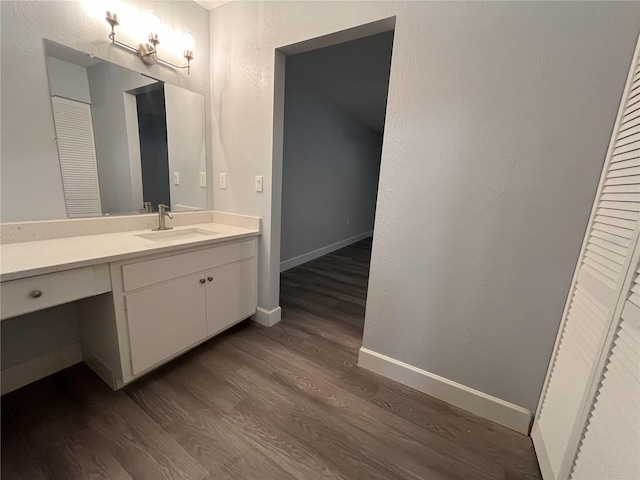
x=68, y=80
x=31, y=185
x=498, y=119
x=330, y=173
x=108, y=84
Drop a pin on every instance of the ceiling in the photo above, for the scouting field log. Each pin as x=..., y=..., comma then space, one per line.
x=352, y=75
x=211, y=4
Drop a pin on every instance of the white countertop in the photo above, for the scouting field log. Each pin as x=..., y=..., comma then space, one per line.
x=27, y=259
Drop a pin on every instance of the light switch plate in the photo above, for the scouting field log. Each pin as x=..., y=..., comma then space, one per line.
x=222, y=180
x=258, y=183
x=203, y=179
x=176, y=178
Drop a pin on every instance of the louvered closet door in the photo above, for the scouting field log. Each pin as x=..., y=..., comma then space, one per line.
x=610, y=447
x=595, y=293
x=77, y=152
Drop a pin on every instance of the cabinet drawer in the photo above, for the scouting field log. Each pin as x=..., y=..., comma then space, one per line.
x=150, y=272
x=43, y=291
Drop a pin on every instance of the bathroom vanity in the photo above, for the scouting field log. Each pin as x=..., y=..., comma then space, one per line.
x=143, y=297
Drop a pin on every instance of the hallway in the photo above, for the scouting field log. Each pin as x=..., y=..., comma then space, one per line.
x=260, y=403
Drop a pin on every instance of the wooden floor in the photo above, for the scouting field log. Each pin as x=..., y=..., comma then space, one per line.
x=259, y=403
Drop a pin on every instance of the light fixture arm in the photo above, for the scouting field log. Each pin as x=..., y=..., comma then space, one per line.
x=147, y=52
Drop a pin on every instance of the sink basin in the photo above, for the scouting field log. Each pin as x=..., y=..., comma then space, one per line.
x=167, y=236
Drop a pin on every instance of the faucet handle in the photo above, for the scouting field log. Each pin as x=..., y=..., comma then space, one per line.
x=162, y=210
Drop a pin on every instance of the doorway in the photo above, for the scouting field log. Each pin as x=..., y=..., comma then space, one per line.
x=334, y=104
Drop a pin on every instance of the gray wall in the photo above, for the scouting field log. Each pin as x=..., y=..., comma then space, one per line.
x=186, y=151
x=330, y=172
x=68, y=80
x=498, y=119
x=31, y=185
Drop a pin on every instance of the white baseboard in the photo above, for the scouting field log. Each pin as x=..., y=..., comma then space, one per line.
x=25, y=373
x=267, y=318
x=307, y=257
x=479, y=403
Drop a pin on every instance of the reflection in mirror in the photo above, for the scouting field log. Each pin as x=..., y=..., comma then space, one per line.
x=124, y=139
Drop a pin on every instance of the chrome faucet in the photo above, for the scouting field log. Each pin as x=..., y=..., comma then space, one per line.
x=146, y=208
x=161, y=220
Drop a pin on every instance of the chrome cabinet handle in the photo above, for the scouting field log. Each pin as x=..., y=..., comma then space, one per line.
x=36, y=294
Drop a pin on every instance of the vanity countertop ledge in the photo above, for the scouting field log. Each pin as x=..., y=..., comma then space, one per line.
x=28, y=249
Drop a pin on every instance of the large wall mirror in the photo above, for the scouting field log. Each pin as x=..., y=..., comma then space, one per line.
x=124, y=139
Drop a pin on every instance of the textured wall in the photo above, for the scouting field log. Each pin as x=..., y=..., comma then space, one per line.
x=330, y=173
x=31, y=183
x=498, y=119
x=68, y=80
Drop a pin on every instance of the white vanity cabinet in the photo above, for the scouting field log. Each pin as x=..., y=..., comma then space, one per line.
x=165, y=319
x=225, y=303
x=162, y=305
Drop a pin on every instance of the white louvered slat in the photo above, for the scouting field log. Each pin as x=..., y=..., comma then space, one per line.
x=631, y=130
x=613, y=268
x=626, y=188
x=635, y=296
x=578, y=372
x=625, y=180
x=634, y=102
x=625, y=172
x=614, y=249
x=76, y=150
x=614, y=213
x=625, y=151
x=617, y=231
x=604, y=252
x=610, y=447
x=628, y=163
x=578, y=347
x=630, y=207
x=629, y=124
x=630, y=116
x=617, y=221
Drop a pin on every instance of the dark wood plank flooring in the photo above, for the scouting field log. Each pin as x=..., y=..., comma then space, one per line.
x=259, y=403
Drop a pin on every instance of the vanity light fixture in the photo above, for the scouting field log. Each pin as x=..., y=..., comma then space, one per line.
x=148, y=51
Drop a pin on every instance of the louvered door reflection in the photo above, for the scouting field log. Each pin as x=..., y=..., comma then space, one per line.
x=601, y=277
x=77, y=153
x=610, y=446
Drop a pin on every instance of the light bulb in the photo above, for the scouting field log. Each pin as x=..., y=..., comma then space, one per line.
x=188, y=42
x=152, y=24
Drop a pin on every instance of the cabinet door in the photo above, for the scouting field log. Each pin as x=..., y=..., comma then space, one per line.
x=165, y=320
x=231, y=295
